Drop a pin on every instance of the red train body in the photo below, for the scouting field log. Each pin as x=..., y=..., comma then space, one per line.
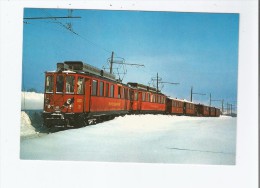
x=175, y=106
x=145, y=99
x=78, y=94
x=202, y=110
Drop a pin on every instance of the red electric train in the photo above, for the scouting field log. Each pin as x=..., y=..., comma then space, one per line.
x=78, y=94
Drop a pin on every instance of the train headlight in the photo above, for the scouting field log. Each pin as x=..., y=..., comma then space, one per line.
x=69, y=101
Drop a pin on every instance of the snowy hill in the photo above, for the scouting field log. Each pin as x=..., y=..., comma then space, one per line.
x=32, y=101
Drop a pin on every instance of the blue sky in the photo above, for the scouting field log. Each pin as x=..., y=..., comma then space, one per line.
x=194, y=49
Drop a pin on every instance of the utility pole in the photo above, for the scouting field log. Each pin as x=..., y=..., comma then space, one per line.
x=119, y=61
x=227, y=108
x=158, y=81
x=111, y=63
x=210, y=99
x=192, y=93
x=222, y=105
x=222, y=101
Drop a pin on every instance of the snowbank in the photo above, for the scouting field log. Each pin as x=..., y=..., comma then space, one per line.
x=142, y=138
x=26, y=126
x=31, y=101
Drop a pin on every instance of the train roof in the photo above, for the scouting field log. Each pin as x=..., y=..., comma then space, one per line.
x=84, y=68
x=80, y=67
x=143, y=87
x=181, y=100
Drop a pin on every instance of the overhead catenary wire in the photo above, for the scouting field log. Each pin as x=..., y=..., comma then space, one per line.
x=69, y=28
x=75, y=33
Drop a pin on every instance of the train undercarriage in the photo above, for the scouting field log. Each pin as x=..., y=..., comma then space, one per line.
x=76, y=120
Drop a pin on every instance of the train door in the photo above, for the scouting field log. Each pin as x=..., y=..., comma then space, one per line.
x=184, y=108
x=87, y=95
x=139, y=104
x=125, y=98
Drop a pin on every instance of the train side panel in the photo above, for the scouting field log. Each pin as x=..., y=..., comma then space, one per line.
x=175, y=106
x=189, y=109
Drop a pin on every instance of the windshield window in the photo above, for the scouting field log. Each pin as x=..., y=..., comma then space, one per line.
x=80, y=85
x=49, y=84
x=59, y=84
x=70, y=84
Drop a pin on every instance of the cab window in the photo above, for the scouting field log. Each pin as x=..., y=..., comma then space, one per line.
x=70, y=84
x=80, y=85
x=49, y=84
x=59, y=84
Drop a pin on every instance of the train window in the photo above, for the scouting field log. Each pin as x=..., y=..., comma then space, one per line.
x=111, y=91
x=128, y=94
x=101, y=89
x=119, y=92
x=70, y=84
x=143, y=96
x=59, y=84
x=49, y=84
x=123, y=93
x=80, y=85
x=136, y=96
x=131, y=95
x=94, y=87
x=107, y=90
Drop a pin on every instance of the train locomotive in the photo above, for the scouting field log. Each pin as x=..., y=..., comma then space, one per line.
x=78, y=94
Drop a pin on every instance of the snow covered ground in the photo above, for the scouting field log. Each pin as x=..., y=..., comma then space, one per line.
x=141, y=138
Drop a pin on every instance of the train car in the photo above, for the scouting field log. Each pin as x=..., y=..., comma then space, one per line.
x=175, y=106
x=145, y=99
x=202, y=110
x=79, y=94
x=217, y=112
x=189, y=108
x=212, y=111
